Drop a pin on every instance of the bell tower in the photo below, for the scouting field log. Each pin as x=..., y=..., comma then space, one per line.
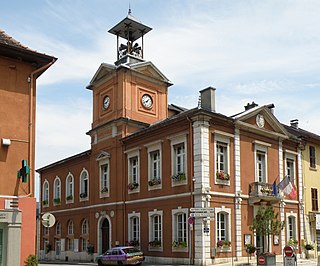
x=132, y=90
x=132, y=31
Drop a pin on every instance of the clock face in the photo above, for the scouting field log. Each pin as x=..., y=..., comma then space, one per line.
x=106, y=102
x=147, y=101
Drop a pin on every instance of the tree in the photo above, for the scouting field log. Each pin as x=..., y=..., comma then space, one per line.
x=266, y=223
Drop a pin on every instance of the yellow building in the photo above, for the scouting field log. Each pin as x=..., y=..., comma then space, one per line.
x=310, y=168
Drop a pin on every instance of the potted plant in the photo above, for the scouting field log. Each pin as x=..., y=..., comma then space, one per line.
x=104, y=190
x=223, y=176
x=70, y=197
x=223, y=244
x=293, y=242
x=177, y=244
x=155, y=243
x=32, y=260
x=308, y=247
x=56, y=201
x=133, y=186
x=45, y=202
x=83, y=195
x=154, y=182
x=179, y=177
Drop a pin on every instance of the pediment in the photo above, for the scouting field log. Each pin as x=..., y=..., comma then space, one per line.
x=261, y=120
x=103, y=155
x=150, y=70
x=103, y=71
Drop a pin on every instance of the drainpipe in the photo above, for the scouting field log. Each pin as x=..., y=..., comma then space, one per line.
x=31, y=117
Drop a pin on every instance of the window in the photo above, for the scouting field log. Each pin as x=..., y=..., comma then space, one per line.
x=133, y=171
x=261, y=167
x=155, y=227
x=58, y=228
x=134, y=229
x=70, y=228
x=291, y=226
x=180, y=228
x=312, y=155
x=45, y=193
x=45, y=231
x=84, y=184
x=179, y=158
x=69, y=187
x=57, y=191
x=70, y=244
x=221, y=157
x=104, y=178
x=85, y=227
x=155, y=165
x=84, y=244
x=223, y=225
x=314, y=199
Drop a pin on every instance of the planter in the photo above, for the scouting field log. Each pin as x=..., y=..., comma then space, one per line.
x=266, y=259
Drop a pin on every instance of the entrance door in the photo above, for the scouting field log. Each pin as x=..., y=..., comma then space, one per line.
x=105, y=232
x=58, y=248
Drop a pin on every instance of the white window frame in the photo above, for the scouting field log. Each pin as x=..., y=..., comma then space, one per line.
x=153, y=147
x=176, y=140
x=58, y=229
x=70, y=227
x=131, y=155
x=223, y=140
x=81, y=189
x=261, y=148
x=57, y=190
x=70, y=244
x=174, y=214
x=227, y=213
x=291, y=156
x=131, y=216
x=104, y=178
x=69, y=188
x=45, y=193
x=151, y=216
x=84, y=244
x=295, y=229
x=85, y=227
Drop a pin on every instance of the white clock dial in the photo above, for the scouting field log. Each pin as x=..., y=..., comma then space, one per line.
x=106, y=102
x=147, y=101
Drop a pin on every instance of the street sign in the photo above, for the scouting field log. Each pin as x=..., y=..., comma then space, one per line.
x=201, y=209
x=201, y=214
x=191, y=220
x=288, y=251
x=261, y=260
x=289, y=261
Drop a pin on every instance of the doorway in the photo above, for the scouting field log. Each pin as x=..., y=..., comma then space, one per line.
x=105, y=235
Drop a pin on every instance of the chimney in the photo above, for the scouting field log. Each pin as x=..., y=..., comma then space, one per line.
x=208, y=99
x=294, y=123
x=250, y=106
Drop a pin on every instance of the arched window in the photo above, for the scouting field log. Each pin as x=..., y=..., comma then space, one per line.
x=85, y=227
x=57, y=191
x=222, y=226
x=70, y=227
x=84, y=184
x=45, y=193
x=58, y=228
x=69, y=187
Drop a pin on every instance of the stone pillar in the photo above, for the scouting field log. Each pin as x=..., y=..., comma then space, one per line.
x=202, y=254
x=14, y=238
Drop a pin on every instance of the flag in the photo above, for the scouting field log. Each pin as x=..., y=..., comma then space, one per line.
x=287, y=187
x=274, y=188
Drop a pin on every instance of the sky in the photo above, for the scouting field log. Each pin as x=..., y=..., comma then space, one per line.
x=264, y=51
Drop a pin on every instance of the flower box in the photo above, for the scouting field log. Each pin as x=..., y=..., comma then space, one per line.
x=70, y=197
x=56, y=201
x=176, y=244
x=133, y=186
x=179, y=177
x=154, y=182
x=134, y=243
x=104, y=190
x=223, y=244
x=45, y=202
x=83, y=195
x=223, y=176
x=155, y=244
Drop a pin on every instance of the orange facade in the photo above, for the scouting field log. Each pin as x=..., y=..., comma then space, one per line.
x=19, y=69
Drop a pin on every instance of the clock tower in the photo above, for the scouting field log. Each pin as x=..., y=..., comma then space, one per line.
x=132, y=91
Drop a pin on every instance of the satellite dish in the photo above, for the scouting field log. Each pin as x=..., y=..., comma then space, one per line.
x=48, y=219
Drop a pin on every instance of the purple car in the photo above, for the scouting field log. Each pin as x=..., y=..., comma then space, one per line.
x=121, y=256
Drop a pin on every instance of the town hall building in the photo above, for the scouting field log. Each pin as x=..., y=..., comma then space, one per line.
x=155, y=168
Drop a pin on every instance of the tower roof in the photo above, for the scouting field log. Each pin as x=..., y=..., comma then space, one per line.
x=130, y=28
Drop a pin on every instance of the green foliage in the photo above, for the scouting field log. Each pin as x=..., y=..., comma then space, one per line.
x=32, y=260
x=309, y=247
x=266, y=222
x=250, y=249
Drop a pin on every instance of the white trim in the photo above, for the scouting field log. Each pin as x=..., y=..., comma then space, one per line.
x=261, y=143
x=105, y=161
x=291, y=152
x=131, y=215
x=262, y=149
x=152, y=147
x=134, y=153
x=150, y=215
x=67, y=187
x=225, y=134
x=295, y=215
x=223, y=139
x=174, y=213
x=57, y=178
x=84, y=170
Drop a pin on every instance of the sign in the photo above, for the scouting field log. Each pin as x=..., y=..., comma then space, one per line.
x=289, y=261
x=261, y=260
x=288, y=251
x=317, y=221
x=206, y=230
x=201, y=214
x=201, y=209
x=191, y=220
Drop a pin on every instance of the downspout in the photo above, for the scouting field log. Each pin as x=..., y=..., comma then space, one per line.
x=31, y=130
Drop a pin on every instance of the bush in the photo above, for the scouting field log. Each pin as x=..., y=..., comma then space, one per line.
x=250, y=248
x=32, y=260
x=309, y=247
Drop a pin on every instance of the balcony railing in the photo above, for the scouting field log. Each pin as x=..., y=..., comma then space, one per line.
x=259, y=191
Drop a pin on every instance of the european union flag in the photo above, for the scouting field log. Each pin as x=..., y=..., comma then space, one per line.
x=274, y=189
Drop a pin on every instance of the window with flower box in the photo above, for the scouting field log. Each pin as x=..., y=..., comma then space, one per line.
x=154, y=165
x=180, y=229
x=223, y=228
x=261, y=161
x=291, y=226
x=134, y=229
x=222, y=158
x=84, y=185
x=57, y=191
x=104, y=174
x=133, y=170
x=155, y=230
x=45, y=194
x=69, y=188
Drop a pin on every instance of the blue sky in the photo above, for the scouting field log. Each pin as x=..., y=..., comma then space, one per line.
x=263, y=51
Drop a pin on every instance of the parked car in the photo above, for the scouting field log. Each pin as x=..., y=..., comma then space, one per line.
x=121, y=256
